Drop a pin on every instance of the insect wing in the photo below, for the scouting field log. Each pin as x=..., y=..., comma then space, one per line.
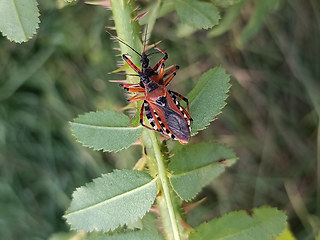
x=177, y=125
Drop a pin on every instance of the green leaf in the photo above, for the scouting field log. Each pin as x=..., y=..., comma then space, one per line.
x=63, y=236
x=130, y=235
x=151, y=17
x=107, y=130
x=19, y=19
x=185, y=30
x=70, y=1
x=146, y=231
x=229, y=18
x=143, y=229
x=113, y=200
x=260, y=223
x=225, y=3
x=149, y=222
x=286, y=235
x=164, y=8
x=197, y=14
x=195, y=166
x=208, y=98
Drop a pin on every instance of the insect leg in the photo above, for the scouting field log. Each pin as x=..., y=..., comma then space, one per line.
x=172, y=70
x=127, y=85
x=141, y=117
x=136, y=98
x=165, y=57
x=160, y=74
x=169, y=79
x=156, y=122
x=152, y=118
x=131, y=87
x=185, y=100
x=131, y=64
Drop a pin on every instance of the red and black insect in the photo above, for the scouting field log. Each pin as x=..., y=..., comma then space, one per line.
x=163, y=110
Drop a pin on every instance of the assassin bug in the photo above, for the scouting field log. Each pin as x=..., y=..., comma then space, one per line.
x=162, y=108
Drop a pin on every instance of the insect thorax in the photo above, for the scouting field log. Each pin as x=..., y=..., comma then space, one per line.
x=151, y=86
x=147, y=77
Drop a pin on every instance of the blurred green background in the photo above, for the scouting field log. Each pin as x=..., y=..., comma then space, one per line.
x=270, y=48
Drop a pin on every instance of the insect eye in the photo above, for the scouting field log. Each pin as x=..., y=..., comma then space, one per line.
x=144, y=61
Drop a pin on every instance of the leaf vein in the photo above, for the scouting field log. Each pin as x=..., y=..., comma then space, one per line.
x=198, y=169
x=113, y=198
x=103, y=127
x=18, y=17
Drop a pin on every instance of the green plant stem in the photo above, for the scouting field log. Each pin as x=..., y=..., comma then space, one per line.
x=128, y=31
x=165, y=185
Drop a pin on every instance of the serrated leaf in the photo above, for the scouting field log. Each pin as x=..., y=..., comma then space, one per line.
x=286, y=235
x=149, y=222
x=19, y=19
x=225, y=3
x=229, y=18
x=195, y=166
x=208, y=98
x=107, y=130
x=130, y=235
x=185, y=30
x=197, y=14
x=111, y=201
x=143, y=229
x=260, y=223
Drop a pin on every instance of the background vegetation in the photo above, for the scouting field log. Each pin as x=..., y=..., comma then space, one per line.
x=271, y=51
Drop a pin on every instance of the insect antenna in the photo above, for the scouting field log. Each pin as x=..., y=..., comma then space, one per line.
x=123, y=42
x=145, y=39
x=153, y=53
